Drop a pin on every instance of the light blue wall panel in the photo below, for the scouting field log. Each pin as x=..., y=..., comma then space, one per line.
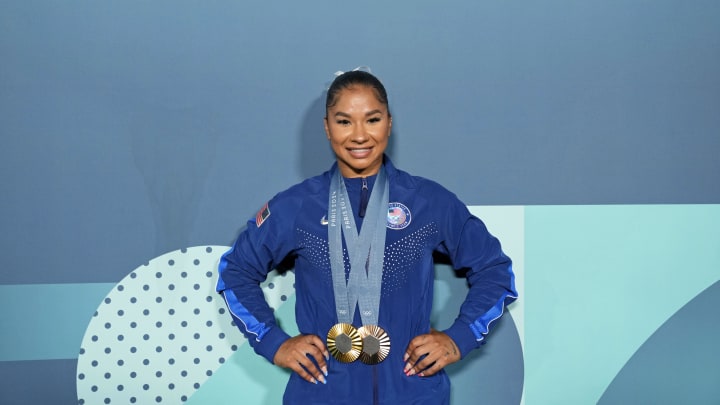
x=46, y=321
x=600, y=280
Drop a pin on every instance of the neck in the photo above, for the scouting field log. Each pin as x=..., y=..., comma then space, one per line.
x=350, y=173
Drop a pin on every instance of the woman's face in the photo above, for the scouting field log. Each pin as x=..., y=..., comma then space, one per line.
x=358, y=127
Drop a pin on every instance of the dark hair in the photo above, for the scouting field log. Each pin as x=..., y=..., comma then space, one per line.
x=355, y=78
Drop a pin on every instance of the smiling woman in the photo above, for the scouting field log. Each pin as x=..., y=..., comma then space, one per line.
x=358, y=123
x=362, y=237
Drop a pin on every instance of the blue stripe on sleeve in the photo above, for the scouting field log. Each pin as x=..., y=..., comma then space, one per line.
x=249, y=322
x=481, y=326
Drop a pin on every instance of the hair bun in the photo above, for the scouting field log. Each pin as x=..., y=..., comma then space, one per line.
x=359, y=68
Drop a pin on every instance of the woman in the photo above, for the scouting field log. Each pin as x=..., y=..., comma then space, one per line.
x=362, y=236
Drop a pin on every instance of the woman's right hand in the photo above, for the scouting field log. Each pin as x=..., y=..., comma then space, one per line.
x=297, y=354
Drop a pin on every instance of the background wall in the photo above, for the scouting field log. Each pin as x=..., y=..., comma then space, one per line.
x=135, y=129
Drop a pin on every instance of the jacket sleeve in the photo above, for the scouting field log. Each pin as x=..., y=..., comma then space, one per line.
x=259, y=248
x=489, y=274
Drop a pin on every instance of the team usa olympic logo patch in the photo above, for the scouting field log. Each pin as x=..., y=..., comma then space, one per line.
x=262, y=215
x=398, y=216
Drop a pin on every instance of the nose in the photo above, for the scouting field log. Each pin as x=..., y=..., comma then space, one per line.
x=359, y=134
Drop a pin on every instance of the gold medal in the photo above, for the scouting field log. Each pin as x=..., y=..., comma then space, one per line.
x=344, y=343
x=375, y=344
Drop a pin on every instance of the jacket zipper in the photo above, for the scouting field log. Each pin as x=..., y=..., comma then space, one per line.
x=363, y=198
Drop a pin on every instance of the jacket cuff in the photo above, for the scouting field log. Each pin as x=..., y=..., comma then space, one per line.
x=270, y=343
x=463, y=337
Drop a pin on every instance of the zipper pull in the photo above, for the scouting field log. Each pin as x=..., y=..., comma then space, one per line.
x=363, y=198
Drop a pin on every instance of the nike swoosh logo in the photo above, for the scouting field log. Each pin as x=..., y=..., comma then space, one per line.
x=323, y=220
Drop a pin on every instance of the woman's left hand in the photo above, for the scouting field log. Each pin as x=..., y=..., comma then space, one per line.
x=439, y=351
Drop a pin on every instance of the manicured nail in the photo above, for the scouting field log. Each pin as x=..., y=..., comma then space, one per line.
x=411, y=372
x=314, y=381
x=407, y=367
x=421, y=375
x=322, y=380
x=324, y=370
x=327, y=356
x=406, y=356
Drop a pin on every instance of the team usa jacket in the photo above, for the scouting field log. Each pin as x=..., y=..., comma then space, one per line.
x=423, y=218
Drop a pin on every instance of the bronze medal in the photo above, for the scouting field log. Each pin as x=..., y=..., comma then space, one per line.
x=375, y=344
x=344, y=342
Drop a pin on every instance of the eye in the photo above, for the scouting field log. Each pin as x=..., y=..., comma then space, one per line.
x=342, y=122
x=374, y=120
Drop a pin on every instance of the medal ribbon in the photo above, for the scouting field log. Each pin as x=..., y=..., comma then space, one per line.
x=365, y=250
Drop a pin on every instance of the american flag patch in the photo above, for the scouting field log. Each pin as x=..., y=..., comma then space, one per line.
x=262, y=215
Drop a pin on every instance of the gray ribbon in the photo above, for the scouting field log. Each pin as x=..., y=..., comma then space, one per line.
x=365, y=250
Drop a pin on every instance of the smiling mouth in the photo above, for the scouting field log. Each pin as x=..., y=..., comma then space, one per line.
x=359, y=152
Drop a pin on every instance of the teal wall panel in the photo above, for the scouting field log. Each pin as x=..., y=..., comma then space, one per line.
x=599, y=281
x=602, y=288
x=46, y=321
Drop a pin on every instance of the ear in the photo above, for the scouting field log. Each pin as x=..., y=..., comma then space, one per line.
x=327, y=130
x=390, y=126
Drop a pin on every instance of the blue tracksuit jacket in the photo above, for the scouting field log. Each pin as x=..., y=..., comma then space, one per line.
x=423, y=217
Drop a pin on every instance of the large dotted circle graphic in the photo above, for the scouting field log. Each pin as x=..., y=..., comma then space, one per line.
x=163, y=331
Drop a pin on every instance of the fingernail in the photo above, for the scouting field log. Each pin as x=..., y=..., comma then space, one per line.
x=324, y=370
x=411, y=372
x=322, y=380
x=421, y=375
x=327, y=356
x=406, y=356
x=314, y=381
x=407, y=367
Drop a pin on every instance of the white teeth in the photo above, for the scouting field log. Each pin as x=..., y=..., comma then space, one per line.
x=359, y=150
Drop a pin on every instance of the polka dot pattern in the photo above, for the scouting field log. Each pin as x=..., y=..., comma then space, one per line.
x=163, y=331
